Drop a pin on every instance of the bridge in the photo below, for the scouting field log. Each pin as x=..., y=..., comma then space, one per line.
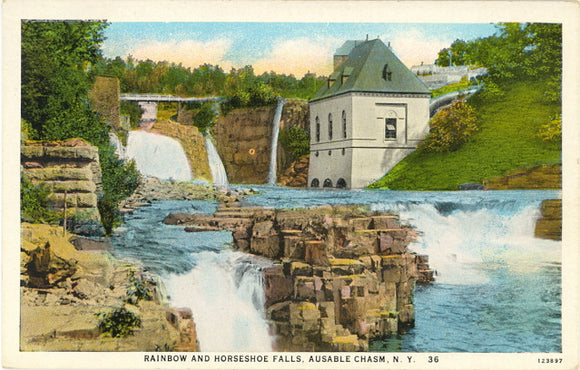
x=153, y=98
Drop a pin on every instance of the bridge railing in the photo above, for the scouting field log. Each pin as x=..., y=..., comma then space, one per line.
x=166, y=98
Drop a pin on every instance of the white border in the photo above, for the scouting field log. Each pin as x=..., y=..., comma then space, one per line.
x=567, y=13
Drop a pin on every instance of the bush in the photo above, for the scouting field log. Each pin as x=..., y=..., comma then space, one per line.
x=119, y=323
x=133, y=111
x=137, y=290
x=119, y=181
x=551, y=133
x=296, y=140
x=450, y=128
x=34, y=203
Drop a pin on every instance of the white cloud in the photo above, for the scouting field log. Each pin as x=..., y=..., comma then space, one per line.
x=191, y=53
x=414, y=47
x=298, y=56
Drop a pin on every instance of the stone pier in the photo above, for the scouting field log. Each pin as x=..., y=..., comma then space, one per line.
x=342, y=274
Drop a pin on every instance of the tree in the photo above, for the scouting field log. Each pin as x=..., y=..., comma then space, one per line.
x=56, y=60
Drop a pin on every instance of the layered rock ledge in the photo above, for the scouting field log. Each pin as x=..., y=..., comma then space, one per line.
x=63, y=291
x=342, y=274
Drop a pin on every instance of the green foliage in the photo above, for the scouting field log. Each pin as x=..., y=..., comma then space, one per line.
x=34, y=203
x=450, y=128
x=518, y=51
x=205, y=117
x=241, y=85
x=54, y=84
x=137, y=290
x=133, y=111
x=551, y=133
x=27, y=132
x=119, y=181
x=119, y=323
x=296, y=140
x=506, y=141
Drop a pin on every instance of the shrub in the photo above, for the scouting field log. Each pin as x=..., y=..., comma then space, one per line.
x=119, y=323
x=450, y=128
x=296, y=140
x=137, y=290
x=551, y=132
x=34, y=203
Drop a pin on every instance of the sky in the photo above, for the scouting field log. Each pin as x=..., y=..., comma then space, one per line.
x=289, y=48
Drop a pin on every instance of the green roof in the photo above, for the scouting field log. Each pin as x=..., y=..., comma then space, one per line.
x=363, y=71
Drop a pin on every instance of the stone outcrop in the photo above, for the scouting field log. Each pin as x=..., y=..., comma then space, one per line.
x=549, y=226
x=243, y=140
x=72, y=173
x=296, y=175
x=342, y=274
x=543, y=177
x=63, y=290
x=152, y=188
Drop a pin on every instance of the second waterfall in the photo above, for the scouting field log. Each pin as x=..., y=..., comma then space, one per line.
x=275, y=132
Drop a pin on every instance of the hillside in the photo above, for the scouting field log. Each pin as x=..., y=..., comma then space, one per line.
x=506, y=141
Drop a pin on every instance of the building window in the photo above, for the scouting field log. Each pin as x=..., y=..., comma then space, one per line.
x=341, y=183
x=330, y=152
x=315, y=183
x=387, y=74
x=329, y=126
x=343, y=151
x=317, y=129
x=316, y=153
x=327, y=183
x=390, y=128
x=344, y=124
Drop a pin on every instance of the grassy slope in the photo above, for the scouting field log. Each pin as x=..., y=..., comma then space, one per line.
x=505, y=142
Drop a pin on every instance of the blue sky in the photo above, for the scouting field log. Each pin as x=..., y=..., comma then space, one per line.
x=282, y=47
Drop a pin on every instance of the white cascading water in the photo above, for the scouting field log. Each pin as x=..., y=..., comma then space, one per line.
x=464, y=245
x=216, y=166
x=226, y=296
x=158, y=156
x=274, y=146
x=116, y=143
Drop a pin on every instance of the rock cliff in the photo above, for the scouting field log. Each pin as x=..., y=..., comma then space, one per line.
x=549, y=226
x=243, y=140
x=342, y=274
x=72, y=172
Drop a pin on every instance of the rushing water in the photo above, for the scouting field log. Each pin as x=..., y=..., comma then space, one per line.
x=158, y=156
x=216, y=166
x=223, y=287
x=497, y=289
x=274, y=146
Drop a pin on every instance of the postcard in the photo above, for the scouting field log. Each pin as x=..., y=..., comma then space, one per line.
x=290, y=185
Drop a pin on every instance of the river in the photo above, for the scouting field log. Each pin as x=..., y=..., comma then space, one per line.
x=497, y=288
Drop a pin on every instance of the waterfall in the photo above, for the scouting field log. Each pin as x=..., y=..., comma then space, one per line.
x=120, y=150
x=467, y=243
x=226, y=296
x=158, y=156
x=275, y=132
x=218, y=172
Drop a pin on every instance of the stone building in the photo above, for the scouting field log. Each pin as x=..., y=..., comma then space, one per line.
x=371, y=113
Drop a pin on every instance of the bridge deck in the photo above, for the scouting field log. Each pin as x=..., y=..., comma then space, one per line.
x=166, y=98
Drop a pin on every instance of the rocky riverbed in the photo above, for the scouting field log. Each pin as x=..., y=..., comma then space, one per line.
x=342, y=274
x=66, y=292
